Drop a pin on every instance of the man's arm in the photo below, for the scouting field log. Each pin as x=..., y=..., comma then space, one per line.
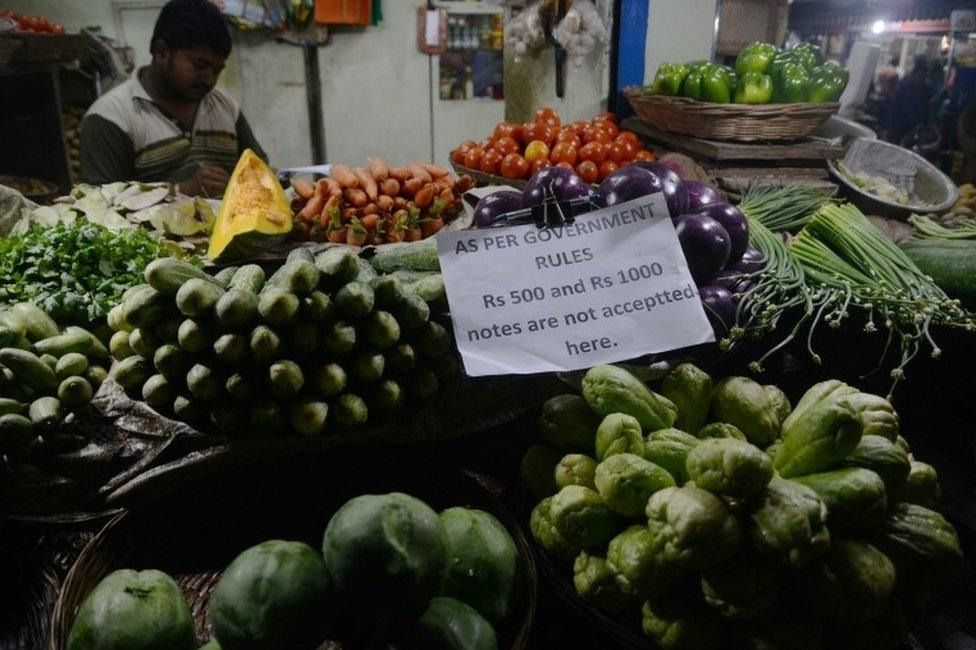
x=106, y=152
x=246, y=139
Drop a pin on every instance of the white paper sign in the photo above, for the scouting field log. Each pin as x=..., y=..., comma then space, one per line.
x=432, y=27
x=611, y=286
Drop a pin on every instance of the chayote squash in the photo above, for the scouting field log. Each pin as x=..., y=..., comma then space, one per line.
x=698, y=527
x=546, y=534
x=582, y=517
x=679, y=625
x=254, y=214
x=790, y=523
x=669, y=449
x=781, y=403
x=852, y=582
x=883, y=457
x=740, y=589
x=729, y=467
x=596, y=585
x=619, y=433
x=855, y=497
x=386, y=554
x=537, y=471
x=627, y=481
x=135, y=610
x=611, y=389
x=690, y=389
x=785, y=626
x=877, y=416
x=482, y=562
x=568, y=424
x=449, y=624
x=921, y=487
x=639, y=564
x=742, y=402
x=575, y=469
x=721, y=430
x=274, y=595
x=820, y=432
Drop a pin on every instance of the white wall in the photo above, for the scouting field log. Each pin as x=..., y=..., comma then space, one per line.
x=678, y=30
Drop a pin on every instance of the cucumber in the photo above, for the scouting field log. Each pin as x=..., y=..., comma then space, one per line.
x=29, y=370
x=231, y=348
x=410, y=256
x=388, y=291
x=385, y=398
x=15, y=432
x=37, y=324
x=243, y=387
x=339, y=338
x=50, y=361
x=445, y=367
x=225, y=275
x=432, y=339
x=409, y=277
x=198, y=297
x=71, y=365
x=401, y=359
x=96, y=375
x=265, y=344
x=236, y=308
x=349, y=410
x=354, y=300
x=299, y=276
x=364, y=271
x=96, y=346
x=13, y=323
x=143, y=342
x=381, y=330
x=188, y=409
x=8, y=405
x=168, y=329
x=337, y=265
x=328, y=380
x=317, y=308
x=195, y=335
x=951, y=263
x=277, y=306
x=412, y=311
x=285, y=379
x=63, y=344
x=303, y=339
x=12, y=387
x=423, y=384
x=265, y=418
x=45, y=411
x=146, y=308
x=308, y=417
x=249, y=277
x=204, y=383
x=131, y=373
x=171, y=362
x=167, y=274
x=116, y=318
x=367, y=367
x=74, y=392
x=158, y=393
x=11, y=338
x=227, y=417
x=431, y=289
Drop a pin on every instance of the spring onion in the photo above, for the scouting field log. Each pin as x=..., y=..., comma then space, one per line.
x=926, y=227
x=783, y=207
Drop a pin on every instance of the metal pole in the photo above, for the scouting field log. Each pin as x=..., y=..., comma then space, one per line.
x=313, y=96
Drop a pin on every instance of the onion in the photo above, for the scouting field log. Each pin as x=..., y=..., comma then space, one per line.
x=494, y=205
x=705, y=243
x=735, y=224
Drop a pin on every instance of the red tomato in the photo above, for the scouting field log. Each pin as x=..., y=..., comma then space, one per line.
x=536, y=150
x=514, y=166
x=506, y=145
x=644, y=154
x=609, y=127
x=491, y=161
x=566, y=165
x=548, y=116
x=563, y=152
x=608, y=167
x=472, y=159
x=579, y=128
x=487, y=143
x=539, y=165
x=588, y=171
x=539, y=131
x=570, y=137
x=595, y=151
x=628, y=136
x=615, y=152
x=507, y=130
x=458, y=154
x=630, y=150
x=605, y=117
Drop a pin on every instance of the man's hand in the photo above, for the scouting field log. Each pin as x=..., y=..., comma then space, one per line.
x=209, y=182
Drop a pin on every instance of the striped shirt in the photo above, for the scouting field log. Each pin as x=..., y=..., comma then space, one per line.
x=127, y=136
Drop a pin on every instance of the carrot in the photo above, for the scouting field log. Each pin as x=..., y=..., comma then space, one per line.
x=464, y=184
x=379, y=169
x=446, y=196
x=399, y=202
x=347, y=215
x=430, y=226
x=367, y=182
x=370, y=221
x=424, y=196
x=399, y=174
x=297, y=204
x=371, y=208
x=312, y=209
x=434, y=170
x=412, y=234
x=345, y=176
x=331, y=204
x=337, y=236
x=303, y=188
x=384, y=203
x=355, y=236
x=417, y=171
x=390, y=187
x=412, y=186
x=356, y=198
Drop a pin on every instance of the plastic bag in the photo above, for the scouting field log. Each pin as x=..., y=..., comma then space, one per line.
x=526, y=31
x=580, y=31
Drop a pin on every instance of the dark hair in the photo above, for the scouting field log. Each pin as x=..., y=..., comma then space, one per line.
x=183, y=24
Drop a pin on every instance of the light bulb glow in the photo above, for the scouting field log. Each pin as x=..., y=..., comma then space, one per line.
x=877, y=26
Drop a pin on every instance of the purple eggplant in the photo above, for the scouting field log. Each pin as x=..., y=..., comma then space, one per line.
x=752, y=260
x=734, y=281
x=719, y=306
x=735, y=224
x=629, y=183
x=700, y=195
x=494, y=205
x=705, y=243
x=554, y=181
x=671, y=184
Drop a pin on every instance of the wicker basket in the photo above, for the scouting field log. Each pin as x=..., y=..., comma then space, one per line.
x=194, y=533
x=483, y=179
x=737, y=122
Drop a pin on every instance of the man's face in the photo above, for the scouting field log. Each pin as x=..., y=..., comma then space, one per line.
x=189, y=74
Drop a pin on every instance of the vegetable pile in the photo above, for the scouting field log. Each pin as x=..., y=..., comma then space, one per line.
x=31, y=24
x=323, y=341
x=594, y=149
x=762, y=75
x=377, y=204
x=44, y=373
x=390, y=567
x=75, y=272
x=712, y=512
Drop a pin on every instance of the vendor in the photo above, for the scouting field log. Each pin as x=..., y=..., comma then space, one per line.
x=168, y=122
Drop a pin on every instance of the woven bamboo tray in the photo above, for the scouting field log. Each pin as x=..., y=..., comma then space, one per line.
x=736, y=122
x=195, y=533
x=483, y=179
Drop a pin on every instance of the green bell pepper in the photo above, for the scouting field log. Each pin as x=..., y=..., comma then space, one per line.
x=669, y=77
x=808, y=55
x=791, y=83
x=691, y=86
x=717, y=84
x=755, y=57
x=827, y=82
x=754, y=88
